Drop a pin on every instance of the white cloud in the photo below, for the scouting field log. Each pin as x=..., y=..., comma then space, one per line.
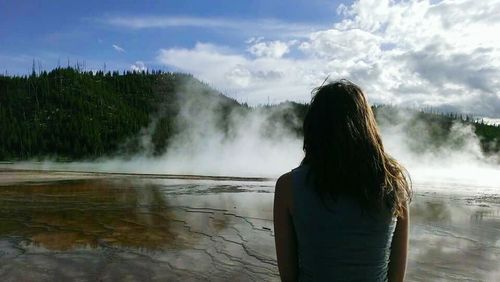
x=273, y=49
x=353, y=44
x=138, y=66
x=211, y=62
x=237, y=75
x=242, y=26
x=118, y=48
x=441, y=54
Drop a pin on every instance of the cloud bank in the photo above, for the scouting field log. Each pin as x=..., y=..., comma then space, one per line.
x=439, y=54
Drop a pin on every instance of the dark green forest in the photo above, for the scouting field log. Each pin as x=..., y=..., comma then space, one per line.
x=68, y=114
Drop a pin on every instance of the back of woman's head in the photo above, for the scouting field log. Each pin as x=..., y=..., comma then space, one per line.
x=345, y=153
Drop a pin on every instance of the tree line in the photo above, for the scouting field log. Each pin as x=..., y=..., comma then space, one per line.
x=69, y=114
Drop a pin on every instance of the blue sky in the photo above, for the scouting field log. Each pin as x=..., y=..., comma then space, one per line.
x=52, y=31
x=418, y=53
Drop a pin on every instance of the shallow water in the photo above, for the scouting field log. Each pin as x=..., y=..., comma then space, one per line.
x=138, y=229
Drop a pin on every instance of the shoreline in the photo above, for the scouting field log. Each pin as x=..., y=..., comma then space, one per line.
x=13, y=176
x=19, y=176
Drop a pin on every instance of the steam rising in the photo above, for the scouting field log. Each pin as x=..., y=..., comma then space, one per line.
x=457, y=165
x=255, y=145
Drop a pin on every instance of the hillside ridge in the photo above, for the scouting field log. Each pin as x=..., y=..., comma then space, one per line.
x=70, y=114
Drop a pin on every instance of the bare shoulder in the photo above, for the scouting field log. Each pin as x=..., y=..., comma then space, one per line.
x=283, y=191
x=285, y=179
x=284, y=182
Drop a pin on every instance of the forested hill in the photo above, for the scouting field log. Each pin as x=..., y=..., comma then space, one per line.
x=69, y=114
x=73, y=114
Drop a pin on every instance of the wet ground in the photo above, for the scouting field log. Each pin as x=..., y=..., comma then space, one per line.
x=140, y=228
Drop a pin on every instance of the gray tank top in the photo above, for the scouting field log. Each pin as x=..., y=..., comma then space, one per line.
x=339, y=242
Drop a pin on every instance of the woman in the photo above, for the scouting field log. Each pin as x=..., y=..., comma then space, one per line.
x=343, y=213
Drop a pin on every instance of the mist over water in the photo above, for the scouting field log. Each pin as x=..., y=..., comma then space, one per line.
x=458, y=165
x=253, y=144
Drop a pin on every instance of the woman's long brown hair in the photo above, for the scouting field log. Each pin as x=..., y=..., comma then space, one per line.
x=345, y=153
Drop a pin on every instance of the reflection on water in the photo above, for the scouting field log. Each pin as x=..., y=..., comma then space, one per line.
x=136, y=229
x=454, y=240
x=156, y=229
x=87, y=214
